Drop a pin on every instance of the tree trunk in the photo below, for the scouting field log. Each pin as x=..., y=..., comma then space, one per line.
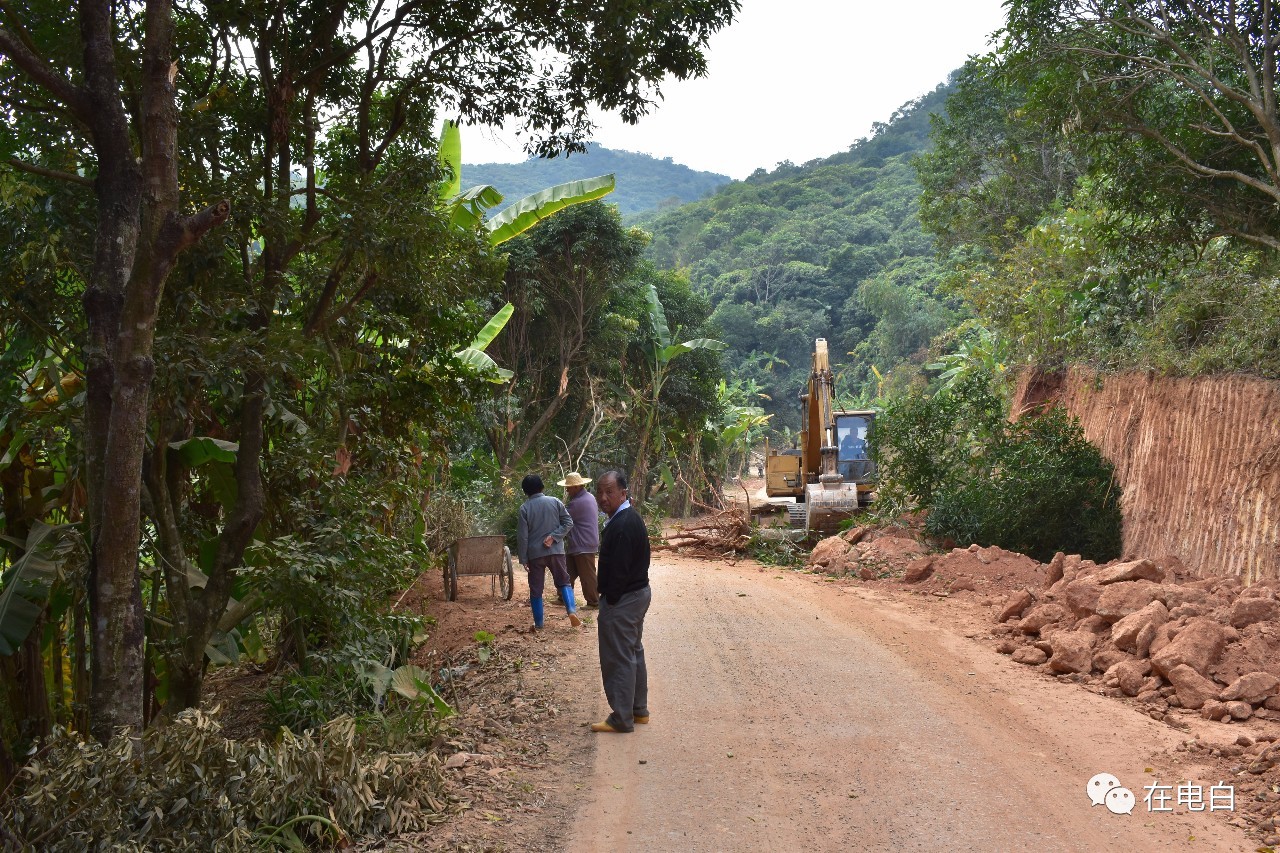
x=139, y=237
x=8, y=770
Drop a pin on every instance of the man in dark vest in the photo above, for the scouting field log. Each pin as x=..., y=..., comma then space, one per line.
x=623, y=582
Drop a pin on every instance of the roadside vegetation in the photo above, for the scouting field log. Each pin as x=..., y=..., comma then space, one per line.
x=245, y=305
x=262, y=357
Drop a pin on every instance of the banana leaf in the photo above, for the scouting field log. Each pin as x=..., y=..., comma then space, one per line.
x=201, y=449
x=525, y=213
x=481, y=362
x=658, y=318
x=26, y=586
x=495, y=325
x=669, y=352
x=451, y=159
x=467, y=209
x=477, y=359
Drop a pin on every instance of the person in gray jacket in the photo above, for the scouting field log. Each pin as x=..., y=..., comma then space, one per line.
x=540, y=533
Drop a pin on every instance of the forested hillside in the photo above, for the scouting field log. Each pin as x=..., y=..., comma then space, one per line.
x=832, y=248
x=644, y=183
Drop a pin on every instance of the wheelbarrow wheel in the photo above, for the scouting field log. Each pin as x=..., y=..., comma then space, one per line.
x=507, y=579
x=451, y=577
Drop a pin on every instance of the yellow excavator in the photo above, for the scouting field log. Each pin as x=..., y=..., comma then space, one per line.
x=830, y=474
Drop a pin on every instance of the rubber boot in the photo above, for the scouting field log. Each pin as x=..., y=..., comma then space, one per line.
x=566, y=595
x=535, y=604
x=570, y=606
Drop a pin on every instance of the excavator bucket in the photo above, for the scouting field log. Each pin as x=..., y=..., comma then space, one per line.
x=828, y=504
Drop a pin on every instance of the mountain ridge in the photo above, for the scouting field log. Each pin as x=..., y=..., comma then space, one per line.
x=644, y=183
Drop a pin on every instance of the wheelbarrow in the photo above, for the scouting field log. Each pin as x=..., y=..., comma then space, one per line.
x=480, y=556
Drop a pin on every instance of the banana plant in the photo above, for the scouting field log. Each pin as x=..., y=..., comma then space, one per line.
x=474, y=356
x=661, y=353
x=985, y=352
x=467, y=209
x=27, y=586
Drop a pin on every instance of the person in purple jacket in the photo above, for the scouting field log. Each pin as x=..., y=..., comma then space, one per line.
x=583, y=541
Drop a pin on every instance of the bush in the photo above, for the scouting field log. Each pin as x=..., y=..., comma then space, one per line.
x=1035, y=486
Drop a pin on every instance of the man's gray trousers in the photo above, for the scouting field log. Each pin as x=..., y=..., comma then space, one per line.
x=626, y=680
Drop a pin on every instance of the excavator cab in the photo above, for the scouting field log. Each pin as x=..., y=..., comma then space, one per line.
x=852, y=433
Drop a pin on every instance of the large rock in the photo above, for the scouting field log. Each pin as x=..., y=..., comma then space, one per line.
x=1133, y=571
x=1214, y=710
x=1239, y=710
x=1162, y=637
x=1247, y=611
x=1125, y=632
x=1030, y=655
x=1081, y=595
x=1072, y=651
x=919, y=570
x=828, y=551
x=1107, y=656
x=1261, y=589
x=1174, y=595
x=1054, y=569
x=1016, y=605
x=1198, y=645
x=1094, y=624
x=1047, y=613
x=1253, y=688
x=1057, y=590
x=1118, y=600
x=1131, y=675
x=1193, y=689
x=1147, y=636
x=1258, y=650
x=854, y=535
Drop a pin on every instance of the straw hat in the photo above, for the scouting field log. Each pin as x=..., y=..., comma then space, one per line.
x=574, y=479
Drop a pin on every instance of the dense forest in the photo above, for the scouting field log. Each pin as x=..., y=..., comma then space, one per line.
x=832, y=248
x=644, y=183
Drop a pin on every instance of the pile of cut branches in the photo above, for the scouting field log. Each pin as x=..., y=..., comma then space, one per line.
x=717, y=534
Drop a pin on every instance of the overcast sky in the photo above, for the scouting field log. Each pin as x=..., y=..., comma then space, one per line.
x=792, y=80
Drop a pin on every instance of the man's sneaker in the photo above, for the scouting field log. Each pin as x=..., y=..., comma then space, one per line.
x=574, y=620
x=641, y=720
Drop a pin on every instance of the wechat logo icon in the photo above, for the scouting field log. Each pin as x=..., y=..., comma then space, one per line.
x=1105, y=790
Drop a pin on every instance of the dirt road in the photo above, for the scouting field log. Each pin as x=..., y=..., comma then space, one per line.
x=789, y=714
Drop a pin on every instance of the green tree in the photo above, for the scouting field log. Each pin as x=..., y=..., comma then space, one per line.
x=566, y=278
x=317, y=129
x=993, y=171
x=1174, y=103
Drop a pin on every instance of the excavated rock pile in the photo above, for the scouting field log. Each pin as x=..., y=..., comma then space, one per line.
x=899, y=553
x=1147, y=629
x=1207, y=644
